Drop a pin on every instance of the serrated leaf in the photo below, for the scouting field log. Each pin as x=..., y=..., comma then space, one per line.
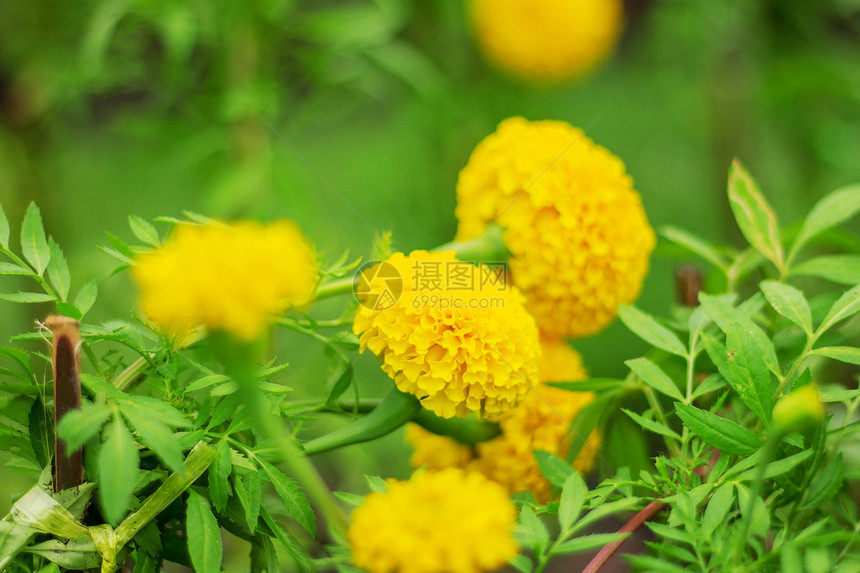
x=15, y=270
x=694, y=244
x=249, y=491
x=158, y=410
x=81, y=424
x=654, y=376
x=652, y=425
x=219, y=472
x=720, y=310
x=86, y=297
x=719, y=432
x=118, y=462
x=755, y=217
x=572, y=499
x=155, y=435
x=295, y=501
x=750, y=377
x=293, y=547
x=58, y=270
x=204, y=535
x=831, y=210
x=718, y=508
x=588, y=542
x=847, y=354
x=847, y=305
x=34, y=243
x=533, y=532
x=553, y=468
x=789, y=302
x=651, y=331
x=144, y=230
x=841, y=269
x=4, y=229
x=28, y=297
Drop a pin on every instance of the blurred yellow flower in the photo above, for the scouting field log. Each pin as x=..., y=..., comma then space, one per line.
x=472, y=348
x=541, y=422
x=578, y=235
x=547, y=40
x=437, y=522
x=225, y=277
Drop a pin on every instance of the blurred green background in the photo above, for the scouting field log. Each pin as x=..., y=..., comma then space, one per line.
x=356, y=115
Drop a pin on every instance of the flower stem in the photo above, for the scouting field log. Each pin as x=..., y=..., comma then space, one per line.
x=635, y=523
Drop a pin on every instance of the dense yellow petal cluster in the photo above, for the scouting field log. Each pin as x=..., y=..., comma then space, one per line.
x=541, y=422
x=547, y=40
x=225, y=277
x=473, y=348
x=437, y=522
x=578, y=235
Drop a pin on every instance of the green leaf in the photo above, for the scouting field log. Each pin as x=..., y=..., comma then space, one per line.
x=28, y=297
x=654, y=376
x=13, y=537
x=58, y=270
x=590, y=385
x=158, y=410
x=754, y=215
x=789, y=302
x=604, y=510
x=79, y=425
x=720, y=310
x=694, y=244
x=755, y=513
x=293, y=547
x=719, y=432
x=4, y=229
x=219, y=472
x=652, y=425
x=376, y=484
x=533, y=532
x=847, y=354
x=294, y=498
x=339, y=383
x=841, y=269
x=570, y=504
x=648, y=329
x=34, y=244
x=585, y=422
x=553, y=468
x=155, y=435
x=14, y=269
x=249, y=491
x=847, y=305
x=118, y=462
x=750, y=377
x=785, y=465
x=204, y=535
x=41, y=432
x=205, y=382
x=144, y=230
x=86, y=297
x=718, y=508
x=831, y=210
x=588, y=542
x=826, y=483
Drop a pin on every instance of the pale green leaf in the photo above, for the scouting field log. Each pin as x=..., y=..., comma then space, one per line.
x=81, y=424
x=750, y=377
x=291, y=494
x=4, y=229
x=155, y=435
x=755, y=217
x=831, y=210
x=718, y=508
x=572, y=498
x=694, y=244
x=204, y=535
x=58, y=270
x=847, y=354
x=654, y=376
x=249, y=491
x=34, y=243
x=14, y=269
x=841, y=269
x=86, y=297
x=651, y=331
x=553, y=468
x=789, y=302
x=652, y=425
x=28, y=297
x=847, y=305
x=219, y=472
x=588, y=542
x=144, y=230
x=118, y=462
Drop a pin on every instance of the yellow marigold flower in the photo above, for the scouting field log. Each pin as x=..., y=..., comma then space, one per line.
x=541, y=422
x=435, y=452
x=225, y=277
x=547, y=40
x=437, y=522
x=473, y=348
x=575, y=227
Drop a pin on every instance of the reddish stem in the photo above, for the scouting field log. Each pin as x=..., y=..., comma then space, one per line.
x=68, y=466
x=635, y=523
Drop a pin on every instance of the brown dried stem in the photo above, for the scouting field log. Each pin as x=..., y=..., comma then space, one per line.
x=66, y=357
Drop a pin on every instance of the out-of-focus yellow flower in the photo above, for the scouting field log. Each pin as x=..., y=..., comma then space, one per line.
x=547, y=40
x=578, y=235
x=435, y=452
x=437, y=522
x=798, y=410
x=541, y=422
x=473, y=348
x=225, y=277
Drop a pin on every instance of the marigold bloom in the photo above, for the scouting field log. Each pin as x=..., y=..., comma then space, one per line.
x=541, y=422
x=225, y=277
x=575, y=227
x=469, y=349
x=547, y=40
x=446, y=522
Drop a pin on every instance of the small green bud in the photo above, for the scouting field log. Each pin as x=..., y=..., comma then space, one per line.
x=799, y=409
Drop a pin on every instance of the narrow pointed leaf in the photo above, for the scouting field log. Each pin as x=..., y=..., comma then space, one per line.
x=651, y=331
x=833, y=209
x=219, y=472
x=86, y=297
x=4, y=229
x=652, y=425
x=694, y=244
x=654, y=376
x=58, y=270
x=847, y=305
x=754, y=215
x=156, y=436
x=841, y=269
x=81, y=424
x=204, y=535
x=118, y=462
x=34, y=243
x=572, y=499
x=294, y=498
x=144, y=230
x=847, y=354
x=719, y=432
